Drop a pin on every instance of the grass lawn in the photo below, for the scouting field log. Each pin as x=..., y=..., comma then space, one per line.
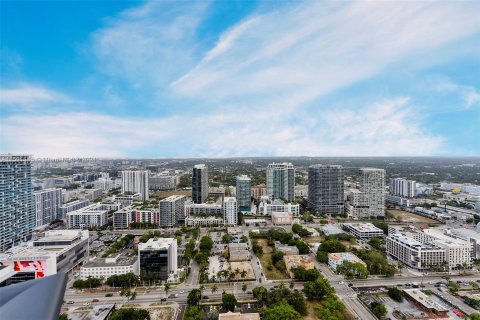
x=313, y=239
x=312, y=315
x=266, y=259
x=405, y=216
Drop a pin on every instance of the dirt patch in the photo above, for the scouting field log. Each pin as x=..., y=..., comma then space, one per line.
x=243, y=265
x=405, y=216
x=160, y=313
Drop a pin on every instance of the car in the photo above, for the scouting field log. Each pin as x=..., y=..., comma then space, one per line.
x=109, y=295
x=205, y=297
x=342, y=282
x=86, y=304
x=249, y=292
x=70, y=302
x=182, y=291
x=173, y=295
x=275, y=287
x=350, y=284
x=95, y=300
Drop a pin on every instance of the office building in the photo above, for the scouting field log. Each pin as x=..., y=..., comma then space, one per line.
x=259, y=191
x=209, y=221
x=47, y=206
x=363, y=231
x=199, y=183
x=92, y=216
x=57, y=251
x=403, y=187
x=17, y=203
x=325, y=189
x=158, y=257
x=243, y=193
x=106, y=267
x=230, y=211
x=172, y=210
x=281, y=181
x=282, y=218
x=128, y=215
x=204, y=209
x=135, y=182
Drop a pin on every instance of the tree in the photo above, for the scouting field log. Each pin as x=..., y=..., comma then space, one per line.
x=378, y=309
x=201, y=288
x=63, y=316
x=214, y=288
x=302, y=274
x=322, y=256
x=260, y=293
x=167, y=288
x=193, y=313
x=133, y=295
x=318, y=289
x=303, y=248
x=297, y=301
x=375, y=243
x=194, y=297
x=229, y=301
x=292, y=284
x=332, y=245
x=243, y=274
x=244, y=287
x=130, y=314
x=353, y=270
x=395, y=294
x=206, y=244
x=475, y=316
x=280, y=311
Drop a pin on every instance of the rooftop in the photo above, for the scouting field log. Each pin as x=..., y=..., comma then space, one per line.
x=156, y=243
x=119, y=260
x=424, y=300
x=363, y=227
x=238, y=316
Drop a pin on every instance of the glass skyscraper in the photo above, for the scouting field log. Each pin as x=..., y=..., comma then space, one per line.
x=17, y=205
x=325, y=189
x=243, y=192
x=281, y=181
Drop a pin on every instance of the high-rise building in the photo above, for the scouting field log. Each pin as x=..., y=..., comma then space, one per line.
x=172, y=210
x=243, y=193
x=199, y=183
x=135, y=182
x=403, y=187
x=230, y=211
x=158, y=258
x=372, y=186
x=47, y=206
x=281, y=181
x=17, y=204
x=325, y=189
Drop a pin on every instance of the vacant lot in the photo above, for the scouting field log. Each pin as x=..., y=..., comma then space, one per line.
x=266, y=259
x=405, y=216
x=243, y=265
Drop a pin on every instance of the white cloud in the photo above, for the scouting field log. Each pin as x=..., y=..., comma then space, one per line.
x=469, y=95
x=384, y=129
x=28, y=95
x=150, y=44
x=315, y=48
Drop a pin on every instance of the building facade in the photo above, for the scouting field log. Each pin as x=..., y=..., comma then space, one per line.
x=403, y=187
x=92, y=216
x=199, y=183
x=158, y=257
x=372, y=188
x=243, y=193
x=325, y=189
x=135, y=182
x=110, y=266
x=47, y=206
x=72, y=206
x=230, y=211
x=277, y=206
x=281, y=181
x=57, y=251
x=172, y=210
x=17, y=203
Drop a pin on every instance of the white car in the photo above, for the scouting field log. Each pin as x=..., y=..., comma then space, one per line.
x=86, y=304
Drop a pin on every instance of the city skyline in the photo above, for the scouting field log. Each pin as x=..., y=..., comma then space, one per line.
x=218, y=79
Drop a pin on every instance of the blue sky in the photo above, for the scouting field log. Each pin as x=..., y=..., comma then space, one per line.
x=240, y=78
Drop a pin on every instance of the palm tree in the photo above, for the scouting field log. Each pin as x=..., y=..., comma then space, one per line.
x=243, y=274
x=213, y=278
x=292, y=284
x=244, y=287
x=167, y=288
x=202, y=287
x=282, y=285
x=214, y=288
x=237, y=272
